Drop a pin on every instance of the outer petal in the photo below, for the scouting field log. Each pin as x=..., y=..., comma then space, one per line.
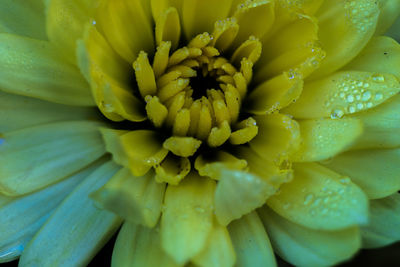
x=345, y=28
x=35, y=157
x=139, y=246
x=34, y=68
x=319, y=198
x=22, y=217
x=376, y=171
x=23, y=18
x=251, y=242
x=87, y=227
x=302, y=246
x=383, y=228
x=390, y=10
x=187, y=218
x=14, y=110
x=136, y=199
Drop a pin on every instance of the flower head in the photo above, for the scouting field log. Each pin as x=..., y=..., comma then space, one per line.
x=217, y=132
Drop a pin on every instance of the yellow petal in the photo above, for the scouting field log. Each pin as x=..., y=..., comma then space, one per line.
x=137, y=150
x=325, y=138
x=345, y=28
x=23, y=18
x=159, y=6
x=383, y=227
x=14, y=110
x=144, y=75
x=224, y=34
x=139, y=246
x=251, y=242
x=168, y=27
x=219, y=251
x=238, y=193
x=279, y=137
x=113, y=18
x=212, y=165
x=302, y=246
x=22, y=217
x=88, y=227
x=265, y=98
x=389, y=11
x=136, y=199
x=187, y=218
x=254, y=18
x=375, y=171
x=34, y=68
x=319, y=198
x=65, y=23
x=382, y=54
x=199, y=15
x=182, y=146
x=35, y=157
x=172, y=170
x=381, y=126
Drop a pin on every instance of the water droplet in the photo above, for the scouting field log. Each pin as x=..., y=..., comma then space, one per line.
x=352, y=109
x=350, y=98
x=378, y=78
x=337, y=113
x=345, y=180
x=378, y=96
x=342, y=94
x=308, y=199
x=369, y=105
x=360, y=105
x=366, y=96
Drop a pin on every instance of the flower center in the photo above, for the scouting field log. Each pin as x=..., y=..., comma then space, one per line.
x=196, y=92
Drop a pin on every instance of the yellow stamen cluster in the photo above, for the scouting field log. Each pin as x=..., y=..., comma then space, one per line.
x=206, y=114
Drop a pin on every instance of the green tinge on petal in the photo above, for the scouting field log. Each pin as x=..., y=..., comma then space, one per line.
x=136, y=199
x=319, y=198
x=325, y=138
x=384, y=220
x=381, y=126
x=219, y=251
x=238, y=193
x=14, y=110
x=34, y=68
x=23, y=18
x=36, y=157
x=251, y=242
x=139, y=246
x=389, y=11
x=375, y=171
x=22, y=217
x=77, y=230
x=186, y=221
x=345, y=27
x=302, y=246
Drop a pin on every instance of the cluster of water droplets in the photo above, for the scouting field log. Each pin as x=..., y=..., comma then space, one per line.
x=361, y=13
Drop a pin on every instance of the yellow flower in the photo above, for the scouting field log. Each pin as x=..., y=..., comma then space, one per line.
x=218, y=132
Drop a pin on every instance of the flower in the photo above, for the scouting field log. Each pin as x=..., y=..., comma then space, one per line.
x=217, y=132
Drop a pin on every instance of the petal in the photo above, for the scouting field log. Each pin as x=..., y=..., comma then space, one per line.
x=382, y=54
x=279, y=137
x=302, y=246
x=168, y=27
x=136, y=199
x=159, y=6
x=14, y=110
x=76, y=230
x=65, y=23
x=251, y=242
x=325, y=138
x=35, y=157
x=23, y=18
x=172, y=170
x=200, y=15
x=381, y=126
x=219, y=251
x=137, y=150
x=376, y=171
x=139, y=246
x=33, y=68
x=22, y=217
x=266, y=99
x=345, y=28
x=110, y=78
x=344, y=92
x=383, y=228
x=389, y=11
x=319, y=198
x=254, y=18
x=187, y=217
x=113, y=18
x=238, y=193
